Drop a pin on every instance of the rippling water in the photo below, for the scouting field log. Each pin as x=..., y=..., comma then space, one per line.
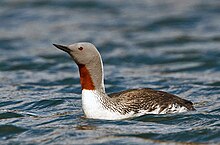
x=170, y=45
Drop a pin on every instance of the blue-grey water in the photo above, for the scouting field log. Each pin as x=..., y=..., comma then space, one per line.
x=171, y=45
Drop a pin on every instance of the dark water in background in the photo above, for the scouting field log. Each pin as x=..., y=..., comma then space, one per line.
x=168, y=45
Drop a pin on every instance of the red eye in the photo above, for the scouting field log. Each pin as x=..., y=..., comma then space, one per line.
x=80, y=48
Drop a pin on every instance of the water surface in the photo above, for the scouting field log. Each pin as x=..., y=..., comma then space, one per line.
x=172, y=46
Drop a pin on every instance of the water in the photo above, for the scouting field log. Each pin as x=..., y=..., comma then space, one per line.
x=171, y=45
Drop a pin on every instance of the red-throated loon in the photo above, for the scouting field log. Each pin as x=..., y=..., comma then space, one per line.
x=131, y=103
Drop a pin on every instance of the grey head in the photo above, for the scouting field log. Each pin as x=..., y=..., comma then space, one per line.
x=82, y=53
x=87, y=57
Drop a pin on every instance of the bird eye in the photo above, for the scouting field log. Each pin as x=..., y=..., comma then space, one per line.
x=80, y=48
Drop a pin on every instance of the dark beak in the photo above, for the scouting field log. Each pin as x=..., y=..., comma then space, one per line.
x=61, y=47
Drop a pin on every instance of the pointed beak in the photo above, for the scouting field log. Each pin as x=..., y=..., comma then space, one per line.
x=61, y=47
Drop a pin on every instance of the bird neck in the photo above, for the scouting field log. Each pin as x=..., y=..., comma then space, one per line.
x=92, y=76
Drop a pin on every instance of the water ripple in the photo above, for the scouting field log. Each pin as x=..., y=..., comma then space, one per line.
x=166, y=45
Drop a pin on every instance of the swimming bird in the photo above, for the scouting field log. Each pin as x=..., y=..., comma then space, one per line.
x=97, y=104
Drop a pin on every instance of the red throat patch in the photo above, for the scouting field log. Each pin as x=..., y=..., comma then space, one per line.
x=85, y=78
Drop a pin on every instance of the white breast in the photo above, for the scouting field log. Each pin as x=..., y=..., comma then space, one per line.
x=93, y=107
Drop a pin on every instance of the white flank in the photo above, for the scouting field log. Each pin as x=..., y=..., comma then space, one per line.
x=173, y=108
